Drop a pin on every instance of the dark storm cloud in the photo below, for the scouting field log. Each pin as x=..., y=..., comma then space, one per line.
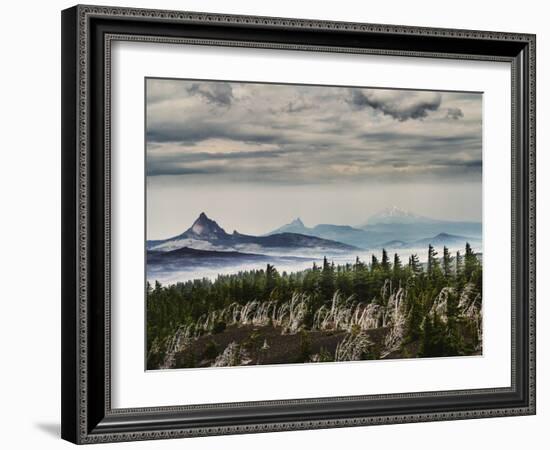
x=220, y=94
x=298, y=134
x=296, y=107
x=455, y=113
x=390, y=104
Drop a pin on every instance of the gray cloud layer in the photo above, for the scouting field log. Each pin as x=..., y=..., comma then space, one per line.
x=215, y=132
x=455, y=113
x=412, y=105
x=220, y=94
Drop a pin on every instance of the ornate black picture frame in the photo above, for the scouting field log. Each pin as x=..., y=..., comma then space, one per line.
x=87, y=35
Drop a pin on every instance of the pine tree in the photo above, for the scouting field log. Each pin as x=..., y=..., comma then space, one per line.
x=431, y=260
x=344, y=280
x=327, y=280
x=414, y=264
x=374, y=265
x=361, y=281
x=446, y=263
x=397, y=266
x=158, y=286
x=270, y=280
x=434, y=339
x=414, y=320
x=458, y=265
x=385, y=264
x=434, y=271
x=470, y=262
x=454, y=342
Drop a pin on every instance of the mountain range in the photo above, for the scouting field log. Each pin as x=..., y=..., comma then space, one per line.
x=391, y=228
x=206, y=234
x=205, y=247
x=440, y=240
x=389, y=225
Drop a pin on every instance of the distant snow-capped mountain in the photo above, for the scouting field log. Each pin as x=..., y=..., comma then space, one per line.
x=205, y=234
x=395, y=215
x=393, y=227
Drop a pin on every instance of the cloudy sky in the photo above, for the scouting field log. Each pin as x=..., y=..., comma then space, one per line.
x=255, y=156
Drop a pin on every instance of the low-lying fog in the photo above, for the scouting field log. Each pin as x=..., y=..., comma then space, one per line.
x=206, y=269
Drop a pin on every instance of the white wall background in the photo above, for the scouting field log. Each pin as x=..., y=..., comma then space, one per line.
x=30, y=223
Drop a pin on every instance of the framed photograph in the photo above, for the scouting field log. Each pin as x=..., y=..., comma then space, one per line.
x=279, y=224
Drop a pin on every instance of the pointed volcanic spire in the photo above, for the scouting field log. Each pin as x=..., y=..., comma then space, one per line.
x=205, y=227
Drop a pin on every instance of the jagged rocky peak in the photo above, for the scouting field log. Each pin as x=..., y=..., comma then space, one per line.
x=298, y=222
x=204, y=226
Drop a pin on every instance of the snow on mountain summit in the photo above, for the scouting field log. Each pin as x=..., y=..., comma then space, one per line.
x=395, y=214
x=395, y=211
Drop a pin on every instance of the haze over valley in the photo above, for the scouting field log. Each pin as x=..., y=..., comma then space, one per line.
x=205, y=249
